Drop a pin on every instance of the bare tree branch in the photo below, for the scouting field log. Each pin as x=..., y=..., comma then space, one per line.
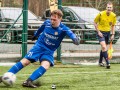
x=104, y=3
x=99, y=4
x=90, y=3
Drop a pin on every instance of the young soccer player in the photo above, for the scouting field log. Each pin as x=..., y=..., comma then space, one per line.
x=52, y=33
x=104, y=23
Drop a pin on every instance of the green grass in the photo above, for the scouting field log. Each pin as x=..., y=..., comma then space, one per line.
x=70, y=77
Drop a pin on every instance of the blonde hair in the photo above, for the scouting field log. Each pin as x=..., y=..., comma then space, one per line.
x=57, y=12
x=110, y=3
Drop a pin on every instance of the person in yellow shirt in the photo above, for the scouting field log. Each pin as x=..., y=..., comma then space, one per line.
x=104, y=23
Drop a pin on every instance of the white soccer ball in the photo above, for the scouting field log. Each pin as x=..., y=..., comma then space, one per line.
x=9, y=78
x=53, y=86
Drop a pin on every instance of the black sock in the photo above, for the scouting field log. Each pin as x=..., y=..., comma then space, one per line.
x=101, y=57
x=105, y=55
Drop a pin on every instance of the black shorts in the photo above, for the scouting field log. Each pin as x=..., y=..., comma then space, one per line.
x=106, y=36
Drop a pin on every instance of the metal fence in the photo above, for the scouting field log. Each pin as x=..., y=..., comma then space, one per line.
x=88, y=50
x=9, y=51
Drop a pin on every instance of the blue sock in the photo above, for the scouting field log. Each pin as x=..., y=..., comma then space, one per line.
x=105, y=55
x=101, y=57
x=17, y=67
x=37, y=73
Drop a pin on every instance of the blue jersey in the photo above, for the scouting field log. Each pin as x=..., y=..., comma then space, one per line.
x=50, y=37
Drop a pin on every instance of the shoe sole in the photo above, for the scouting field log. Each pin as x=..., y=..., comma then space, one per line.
x=28, y=86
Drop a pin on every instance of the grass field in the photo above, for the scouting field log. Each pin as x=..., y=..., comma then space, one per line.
x=70, y=77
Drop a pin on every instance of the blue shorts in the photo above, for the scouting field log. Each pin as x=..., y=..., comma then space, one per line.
x=40, y=53
x=106, y=36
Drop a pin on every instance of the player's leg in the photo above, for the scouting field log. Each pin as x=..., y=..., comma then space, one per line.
x=40, y=71
x=46, y=60
x=19, y=65
x=101, y=55
x=101, y=59
x=36, y=74
x=103, y=42
x=107, y=36
x=104, y=53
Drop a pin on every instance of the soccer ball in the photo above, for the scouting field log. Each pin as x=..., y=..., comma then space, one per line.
x=53, y=86
x=9, y=78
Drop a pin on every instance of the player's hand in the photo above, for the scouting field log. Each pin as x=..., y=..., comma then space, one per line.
x=100, y=34
x=112, y=37
x=76, y=41
x=33, y=38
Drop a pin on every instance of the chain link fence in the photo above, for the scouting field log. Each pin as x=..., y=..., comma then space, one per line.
x=74, y=10
x=88, y=50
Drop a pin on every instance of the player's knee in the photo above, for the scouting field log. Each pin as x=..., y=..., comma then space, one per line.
x=45, y=64
x=25, y=62
x=46, y=67
x=104, y=48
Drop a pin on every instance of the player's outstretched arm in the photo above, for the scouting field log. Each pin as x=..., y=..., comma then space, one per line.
x=75, y=39
x=38, y=32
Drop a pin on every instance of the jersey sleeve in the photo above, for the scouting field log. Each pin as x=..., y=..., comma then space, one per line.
x=75, y=39
x=70, y=33
x=97, y=18
x=41, y=28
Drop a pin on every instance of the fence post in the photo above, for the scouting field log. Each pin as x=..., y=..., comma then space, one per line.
x=59, y=48
x=25, y=26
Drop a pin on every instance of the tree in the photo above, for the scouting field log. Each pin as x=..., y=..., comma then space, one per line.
x=38, y=6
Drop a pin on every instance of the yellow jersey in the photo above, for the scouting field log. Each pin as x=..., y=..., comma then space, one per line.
x=105, y=22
